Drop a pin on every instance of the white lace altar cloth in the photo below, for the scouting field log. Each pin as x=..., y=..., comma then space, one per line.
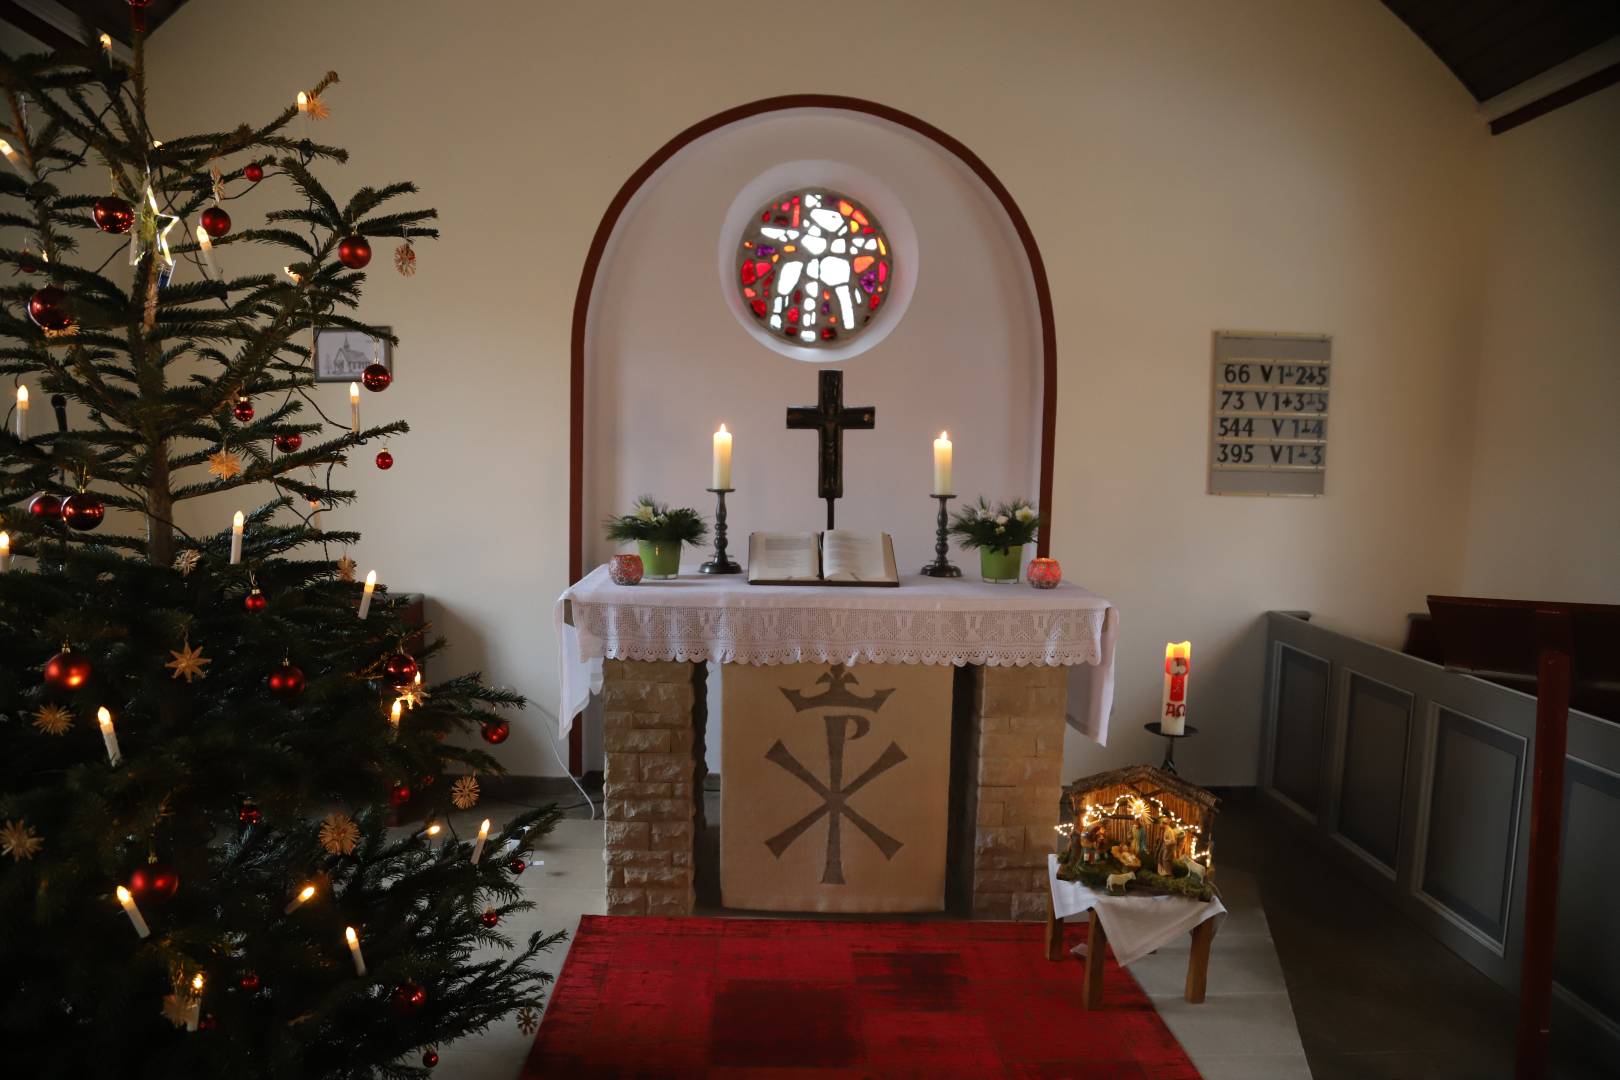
x=941, y=621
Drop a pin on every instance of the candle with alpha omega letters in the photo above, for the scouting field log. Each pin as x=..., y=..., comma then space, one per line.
x=1177, y=667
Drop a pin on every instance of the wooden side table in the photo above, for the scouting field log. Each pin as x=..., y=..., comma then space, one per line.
x=1203, y=935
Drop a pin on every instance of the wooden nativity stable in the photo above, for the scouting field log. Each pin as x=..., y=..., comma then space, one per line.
x=1142, y=809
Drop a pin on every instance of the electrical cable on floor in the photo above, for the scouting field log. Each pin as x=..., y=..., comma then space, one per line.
x=551, y=733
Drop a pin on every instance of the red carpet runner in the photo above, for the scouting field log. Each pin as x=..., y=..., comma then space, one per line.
x=644, y=997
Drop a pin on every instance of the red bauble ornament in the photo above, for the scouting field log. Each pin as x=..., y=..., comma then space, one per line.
x=376, y=378
x=83, y=511
x=385, y=460
x=249, y=813
x=215, y=221
x=495, y=732
x=48, y=309
x=27, y=263
x=45, y=507
x=408, y=998
x=430, y=1058
x=490, y=917
x=155, y=881
x=354, y=252
x=289, y=441
x=399, y=669
x=254, y=601
x=113, y=215
x=249, y=982
x=253, y=172
x=243, y=409
x=67, y=670
x=399, y=794
x=517, y=865
x=286, y=682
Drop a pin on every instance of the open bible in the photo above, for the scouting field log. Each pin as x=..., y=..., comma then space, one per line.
x=835, y=557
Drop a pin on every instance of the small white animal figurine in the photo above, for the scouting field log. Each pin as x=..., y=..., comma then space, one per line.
x=1120, y=880
x=1195, y=869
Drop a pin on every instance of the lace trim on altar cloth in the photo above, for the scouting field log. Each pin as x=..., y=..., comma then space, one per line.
x=780, y=635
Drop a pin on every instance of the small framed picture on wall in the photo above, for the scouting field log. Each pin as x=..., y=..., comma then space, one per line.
x=341, y=355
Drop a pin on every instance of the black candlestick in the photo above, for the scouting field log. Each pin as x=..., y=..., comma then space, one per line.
x=1187, y=730
x=721, y=563
x=941, y=566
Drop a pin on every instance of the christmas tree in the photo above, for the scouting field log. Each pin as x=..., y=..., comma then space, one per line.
x=203, y=737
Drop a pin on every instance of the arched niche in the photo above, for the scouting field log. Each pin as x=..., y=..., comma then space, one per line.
x=658, y=360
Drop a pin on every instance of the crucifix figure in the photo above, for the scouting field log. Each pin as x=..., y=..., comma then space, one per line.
x=831, y=419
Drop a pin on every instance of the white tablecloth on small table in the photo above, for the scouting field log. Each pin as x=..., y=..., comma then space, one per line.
x=945, y=621
x=1135, y=925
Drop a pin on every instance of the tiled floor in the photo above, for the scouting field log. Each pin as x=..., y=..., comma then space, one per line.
x=1245, y=1029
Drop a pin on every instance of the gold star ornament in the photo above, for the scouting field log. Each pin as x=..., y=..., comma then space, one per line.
x=345, y=569
x=224, y=464
x=464, y=793
x=53, y=720
x=188, y=663
x=187, y=561
x=339, y=834
x=19, y=841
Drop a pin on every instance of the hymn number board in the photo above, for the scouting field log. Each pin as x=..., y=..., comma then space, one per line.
x=1269, y=414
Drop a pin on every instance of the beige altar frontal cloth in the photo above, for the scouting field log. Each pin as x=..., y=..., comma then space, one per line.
x=836, y=787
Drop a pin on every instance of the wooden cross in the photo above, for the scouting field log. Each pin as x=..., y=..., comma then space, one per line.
x=831, y=419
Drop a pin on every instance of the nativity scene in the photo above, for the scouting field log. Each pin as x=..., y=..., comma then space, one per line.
x=521, y=558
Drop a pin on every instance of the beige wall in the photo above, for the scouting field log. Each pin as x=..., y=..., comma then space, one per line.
x=1544, y=512
x=1279, y=165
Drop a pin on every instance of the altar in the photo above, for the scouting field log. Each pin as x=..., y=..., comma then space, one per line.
x=886, y=749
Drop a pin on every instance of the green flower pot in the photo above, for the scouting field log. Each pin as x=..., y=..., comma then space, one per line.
x=1000, y=567
x=660, y=558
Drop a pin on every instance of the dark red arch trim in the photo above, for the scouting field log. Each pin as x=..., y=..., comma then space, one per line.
x=627, y=191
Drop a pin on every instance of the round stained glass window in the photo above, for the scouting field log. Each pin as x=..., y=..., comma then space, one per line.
x=814, y=266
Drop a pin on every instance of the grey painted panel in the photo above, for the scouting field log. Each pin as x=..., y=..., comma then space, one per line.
x=1588, y=955
x=1474, y=820
x=1372, y=786
x=1301, y=727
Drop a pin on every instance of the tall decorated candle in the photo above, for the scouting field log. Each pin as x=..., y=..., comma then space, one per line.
x=942, y=464
x=722, y=458
x=1177, y=668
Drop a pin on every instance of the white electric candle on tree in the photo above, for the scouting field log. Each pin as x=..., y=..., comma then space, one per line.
x=128, y=901
x=722, y=458
x=238, y=522
x=22, y=412
x=1177, y=669
x=354, y=949
x=354, y=407
x=365, y=594
x=5, y=551
x=393, y=717
x=300, y=900
x=206, y=245
x=108, y=735
x=942, y=464
x=478, y=846
x=194, y=1008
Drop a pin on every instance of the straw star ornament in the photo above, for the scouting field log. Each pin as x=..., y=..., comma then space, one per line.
x=53, y=720
x=19, y=841
x=224, y=464
x=188, y=663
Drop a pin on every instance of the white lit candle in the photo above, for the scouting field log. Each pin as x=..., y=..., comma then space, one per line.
x=478, y=847
x=942, y=464
x=194, y=1008
x=365, y=594
x=1177, y=669
x=108, y=735
x=394, y=715
x=22, y=412
x=237, y=522
x=300, y=900
x=11, y=155
x=433, y=830
x=206, y=245
x=303, y=102
x=722, y=458
x=106, y=47
x=354, y=407
x=134, y=913
x=5, y=551
x=354, y=949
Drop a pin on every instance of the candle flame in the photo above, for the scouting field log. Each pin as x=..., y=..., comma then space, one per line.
x=5, y=148
x=106, y=42
x=197, y=982
x=22, y=397
x=124, y=897
x=483, y=829
x=722, y=430
x=104, y=718
x=305, y=893
x=371, y=579
x=5, y=542
x=157, y=144
x=203, y=240
x=354, y=392
x=394, y=713
x=237, y=519
x=352, y=937
x=944, y=436
x=434, y=829
x=303, y=101
x=290, y=272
